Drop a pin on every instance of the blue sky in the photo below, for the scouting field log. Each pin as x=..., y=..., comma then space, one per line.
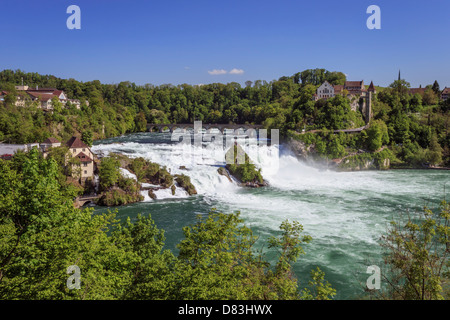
x=184, y=41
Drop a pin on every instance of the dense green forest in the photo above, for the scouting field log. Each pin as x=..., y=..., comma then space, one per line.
x=414, y=127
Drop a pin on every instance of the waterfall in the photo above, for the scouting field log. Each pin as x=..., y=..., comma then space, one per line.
x=344, y=212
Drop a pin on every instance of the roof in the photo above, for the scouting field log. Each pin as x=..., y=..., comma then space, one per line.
x=42, y=90
x=338, y=88
x=326, y=82
x=57, y=92
x=353, y=83
x=76, y=142
x=371, y=86
x=41, y=96
x=51, y=140
x=83, y=157
x=413, y=91
x=446, y=91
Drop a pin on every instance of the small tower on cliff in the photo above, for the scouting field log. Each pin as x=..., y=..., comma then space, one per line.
x=368, y=114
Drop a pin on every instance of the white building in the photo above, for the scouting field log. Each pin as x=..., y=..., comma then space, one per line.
x=325, y=91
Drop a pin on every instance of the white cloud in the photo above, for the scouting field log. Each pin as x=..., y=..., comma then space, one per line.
x=222, y=71
x=217, y=72
x=237, y=71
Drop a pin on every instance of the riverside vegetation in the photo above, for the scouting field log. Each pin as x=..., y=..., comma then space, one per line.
x=119, y=190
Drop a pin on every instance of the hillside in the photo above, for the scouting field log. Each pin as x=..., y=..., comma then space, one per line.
x=413, y=127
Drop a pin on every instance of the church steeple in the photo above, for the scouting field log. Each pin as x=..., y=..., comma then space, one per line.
x=399, y=75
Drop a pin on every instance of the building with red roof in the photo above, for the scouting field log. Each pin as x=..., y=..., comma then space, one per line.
x=79, y=150
x=43, y=97
x=355, y=87
x=445, y=94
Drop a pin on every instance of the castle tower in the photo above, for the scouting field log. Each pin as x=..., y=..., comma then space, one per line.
x=368, y=114
x=371, y=88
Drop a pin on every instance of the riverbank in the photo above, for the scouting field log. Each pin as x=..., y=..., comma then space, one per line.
x=382, y=159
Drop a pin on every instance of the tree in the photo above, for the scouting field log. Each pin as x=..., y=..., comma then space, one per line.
x=434, y=152
x=377, y=135
x=335, y=78
x=429, y=97
x=334, y=147
x=416, y=102
x=217, y=260
x=109, y=172
x=11, y=96
x=56, y=105
x=150, y=267
x=138, y=166
x=401, y=87
x=436, y=88
x=42, y=234
x=141, y=122
x=417, y=256
x=312, y=76
x=86, y=137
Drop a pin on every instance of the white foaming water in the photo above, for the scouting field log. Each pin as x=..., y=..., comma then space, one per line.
x=287, y=177
x=127, y=174
x=167, y=193
x=147, y=198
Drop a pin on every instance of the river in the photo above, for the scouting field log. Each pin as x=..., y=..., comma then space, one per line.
x=344, y=212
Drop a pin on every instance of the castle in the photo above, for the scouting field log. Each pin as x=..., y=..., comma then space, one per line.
x=360, y=97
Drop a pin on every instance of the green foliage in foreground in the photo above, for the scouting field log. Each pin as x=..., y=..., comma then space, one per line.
x=417, y=256
x=42, y=234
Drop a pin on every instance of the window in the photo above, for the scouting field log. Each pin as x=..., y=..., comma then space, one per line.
x=85, y=171
x=74, y=150
x=83, y=150
x=85, y=164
